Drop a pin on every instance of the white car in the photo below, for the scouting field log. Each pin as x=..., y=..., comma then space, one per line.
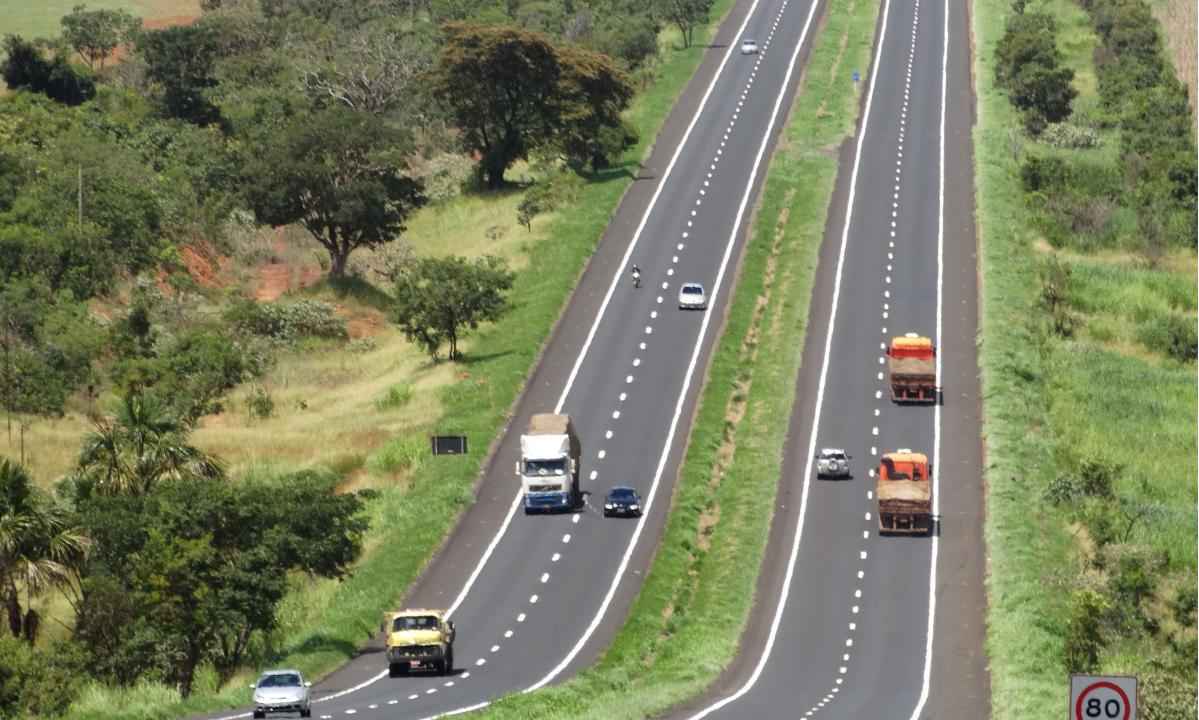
x=692, y=297
x=281, y=691
x=749, y=47
x=832, y=462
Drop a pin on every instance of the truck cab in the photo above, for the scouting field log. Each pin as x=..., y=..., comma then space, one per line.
x=549, y=464
x=419, y=639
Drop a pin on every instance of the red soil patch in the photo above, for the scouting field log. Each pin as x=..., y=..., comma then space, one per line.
x=367, y=323
x=274, y=279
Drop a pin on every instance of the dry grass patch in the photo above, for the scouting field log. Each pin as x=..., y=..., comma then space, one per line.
x=1181, y=28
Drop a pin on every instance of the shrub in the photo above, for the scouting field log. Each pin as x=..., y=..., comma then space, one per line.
x=1084, y=639
x=1073, y=137
x=445, y=175
x=546, y=196
x=1171, y=334
x=403, y=453
x=396, y=396
x=287, y=321
x=259, y=403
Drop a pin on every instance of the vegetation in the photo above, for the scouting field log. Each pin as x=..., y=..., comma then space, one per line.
x=438, y=299
x=1089, y=305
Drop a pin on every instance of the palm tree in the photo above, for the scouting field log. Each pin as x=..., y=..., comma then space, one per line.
x=143, y=445
x=39, y=548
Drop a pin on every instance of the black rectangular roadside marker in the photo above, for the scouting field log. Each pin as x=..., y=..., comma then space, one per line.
x=449, y=444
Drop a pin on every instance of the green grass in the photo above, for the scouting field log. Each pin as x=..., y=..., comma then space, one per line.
x=41, y=18
x=685, y=624
x=1048, y=401
x=327, y=622
x=1024, y=649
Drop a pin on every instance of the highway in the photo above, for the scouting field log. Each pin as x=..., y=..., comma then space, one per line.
x=849, y=624
x=536, y=598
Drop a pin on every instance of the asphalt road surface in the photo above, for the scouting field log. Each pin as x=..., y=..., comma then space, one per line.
x=848, y=624
x=535, y=598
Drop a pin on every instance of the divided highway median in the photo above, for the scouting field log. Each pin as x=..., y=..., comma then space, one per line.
x=685, y=626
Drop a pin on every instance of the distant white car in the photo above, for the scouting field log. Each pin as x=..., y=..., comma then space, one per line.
x=749, y=47
x=692, y=297
x=832, y=462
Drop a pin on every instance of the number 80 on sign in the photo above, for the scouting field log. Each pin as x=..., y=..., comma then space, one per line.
x=1103, y=697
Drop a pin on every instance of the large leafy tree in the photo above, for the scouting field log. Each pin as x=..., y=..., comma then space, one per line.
x=182, y=60
x=512, y=92
x=39, y=548
x=439, y=299
x=337, y=173
x=686, y=15
x=141, y=447
x=26, y=68
x=94, y=34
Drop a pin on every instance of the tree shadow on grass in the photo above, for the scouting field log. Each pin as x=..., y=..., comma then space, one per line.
x=357, y=288
x=469, y=359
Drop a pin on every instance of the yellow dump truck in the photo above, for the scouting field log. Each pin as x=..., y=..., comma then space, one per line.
x=911, y=362
x=905, y=496
x=419, y=639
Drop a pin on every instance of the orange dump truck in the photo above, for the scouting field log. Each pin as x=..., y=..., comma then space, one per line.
x=905, y=496
x=911, y=360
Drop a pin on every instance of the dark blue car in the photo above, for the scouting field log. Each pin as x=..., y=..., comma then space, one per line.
x=622, y=501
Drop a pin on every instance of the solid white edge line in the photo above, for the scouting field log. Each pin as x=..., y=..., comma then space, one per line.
x=678, y=410
x=932, y=575
x=776, y=623
x=604, y=306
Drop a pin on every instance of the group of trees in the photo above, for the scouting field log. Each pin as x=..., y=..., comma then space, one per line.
x=167, y=564
x=1028, y=64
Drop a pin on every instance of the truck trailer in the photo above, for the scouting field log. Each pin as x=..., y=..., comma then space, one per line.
x=911, y=361
x=905, y=497
x=549, y=464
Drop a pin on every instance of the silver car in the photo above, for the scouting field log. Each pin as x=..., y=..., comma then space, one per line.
x=692, y=297
x=749, y=47
x=281, y=691
x=832, y=462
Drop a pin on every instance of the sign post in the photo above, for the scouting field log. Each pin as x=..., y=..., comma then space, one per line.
x=1103, y=697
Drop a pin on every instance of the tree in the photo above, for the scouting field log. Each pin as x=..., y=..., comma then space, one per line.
x=182, y=60
x=337, y=174
x=26, y=68
x=141, y=447
x=377, y=69
x=1044, y=94
x=511, y=92
x=39, y=548
x=686, y=15
x=438, y=299
x=94, y=34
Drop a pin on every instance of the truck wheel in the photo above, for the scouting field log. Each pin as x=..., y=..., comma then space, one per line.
x=306, y=713
x=258, y=714
x=449, y=662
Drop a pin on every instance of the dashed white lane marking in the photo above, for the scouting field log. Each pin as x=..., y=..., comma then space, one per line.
x=628, y=378
x=466, y=674
x=873, y=450
x=508, y=634
x=566, y=538
x=659, y=299
x=865, y=534
x=867, y=516
x=608, y=434
x=556, y=557
x=430, y=691
x=604, y=453
x=869, y=494
x=848, y=642
x=862, y=555
x=372, y=706
x=533, y=599
x=449, y=683
x=857, y=593
x=594, y=474
x=575, y=519
x=625, y=395
x=393, y=701
x=545, y=577
x=480, y=662
x=495, y=648
x=854, y=609
x=878, y=394
x=615, y=416
x=853, y=626
x=413, y=696
x=351, y=711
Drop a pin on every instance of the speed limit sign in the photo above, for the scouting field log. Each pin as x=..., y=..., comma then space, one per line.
x=1100, y=697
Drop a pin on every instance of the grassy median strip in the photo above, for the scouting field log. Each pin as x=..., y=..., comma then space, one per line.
x=325, y=628
x=685, y=625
